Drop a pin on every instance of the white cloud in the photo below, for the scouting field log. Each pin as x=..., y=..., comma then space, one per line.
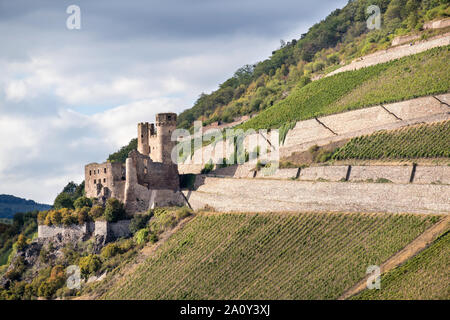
x=16, y=90
x=131, y=61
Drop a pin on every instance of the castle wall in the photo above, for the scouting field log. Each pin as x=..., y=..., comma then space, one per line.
x=79, y=232
x=112, y=230
x=109, y=230
x=105, y=175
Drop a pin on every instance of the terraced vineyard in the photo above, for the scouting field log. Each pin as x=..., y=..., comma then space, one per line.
x=268, y=256
x=423, y=277
x=410, y=77
x=423, y=141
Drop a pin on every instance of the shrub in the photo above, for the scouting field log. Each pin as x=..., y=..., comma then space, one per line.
x=82, y=202
x=153, y=237
x=110, y=251
x=68, y=218
x=48, y=288
x=83, y=215
x=41, y=217
x=89, y=265
x=96, y=212
x=56, y=217
x=139, y=221
x=114, y=210
x=183, y=213
x=21, y=242
x=48, y=220
x=141, y=236
x=208, y=168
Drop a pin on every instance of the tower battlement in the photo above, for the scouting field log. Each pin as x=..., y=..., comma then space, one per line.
x=154, y=140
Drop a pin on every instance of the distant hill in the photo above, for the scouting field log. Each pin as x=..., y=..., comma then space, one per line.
x=9, y=205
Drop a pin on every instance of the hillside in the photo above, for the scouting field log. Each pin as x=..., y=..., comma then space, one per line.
x=272, y=89
x=9, y=205
x=267, y=256
x=413, y=76
x=338, y=39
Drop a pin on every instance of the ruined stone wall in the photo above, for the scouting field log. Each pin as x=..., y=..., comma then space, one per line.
x=74, y=232
x=105, y=175
x=112, y=230
x=109, y=230
x=263, y=195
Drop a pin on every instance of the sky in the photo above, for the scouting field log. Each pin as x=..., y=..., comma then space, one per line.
x=69, y=97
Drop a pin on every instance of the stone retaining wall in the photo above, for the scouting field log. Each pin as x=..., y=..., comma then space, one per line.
x=396, y=174
x=432, y=174
x=279, y=174
x=328, y=173
x=263, y=195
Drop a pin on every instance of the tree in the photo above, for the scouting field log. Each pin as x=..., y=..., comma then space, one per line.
x=82, y=202
x=63, y=200
x=56, y=217
x=96, y=212
x=89, y=265
x=21, y=242
x=114, y=210
x=83, y=215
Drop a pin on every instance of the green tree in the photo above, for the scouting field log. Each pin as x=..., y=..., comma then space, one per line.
x=96, y=212
x=21, y=242
x=83, y=215
x=114, y=210
x=82, y=202
x=89, y=265
x=63, y=200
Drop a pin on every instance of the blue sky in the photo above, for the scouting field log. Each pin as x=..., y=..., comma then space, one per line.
x=71, y=97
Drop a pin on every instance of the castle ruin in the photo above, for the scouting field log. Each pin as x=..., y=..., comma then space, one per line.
x=148, y=178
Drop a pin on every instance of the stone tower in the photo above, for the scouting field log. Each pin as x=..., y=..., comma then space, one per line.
x=156, y=142
x=143, y=139
x=165, y=124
